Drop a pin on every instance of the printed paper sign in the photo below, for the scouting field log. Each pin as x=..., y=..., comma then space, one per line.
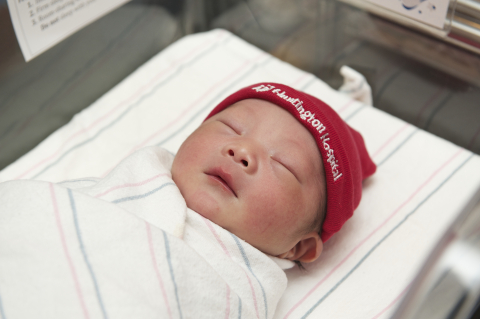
x=40, y=24
x=432, y=12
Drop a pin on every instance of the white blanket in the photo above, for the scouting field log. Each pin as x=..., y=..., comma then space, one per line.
x=125, y=246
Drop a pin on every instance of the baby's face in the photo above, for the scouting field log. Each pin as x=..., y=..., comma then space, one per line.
x=254, y=170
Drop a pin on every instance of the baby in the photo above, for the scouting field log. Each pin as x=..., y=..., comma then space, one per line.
x=276, y=167
x=161, y=236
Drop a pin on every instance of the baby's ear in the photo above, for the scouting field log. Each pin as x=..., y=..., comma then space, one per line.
x=308, y=249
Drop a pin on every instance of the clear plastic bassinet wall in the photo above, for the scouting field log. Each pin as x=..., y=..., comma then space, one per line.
x=415, y=74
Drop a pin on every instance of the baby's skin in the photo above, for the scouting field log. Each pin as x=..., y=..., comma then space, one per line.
x=254, y=170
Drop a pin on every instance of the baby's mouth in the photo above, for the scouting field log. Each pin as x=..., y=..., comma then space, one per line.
x=223, y=178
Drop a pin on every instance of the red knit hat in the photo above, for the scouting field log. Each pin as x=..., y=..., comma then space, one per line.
x=343, y=151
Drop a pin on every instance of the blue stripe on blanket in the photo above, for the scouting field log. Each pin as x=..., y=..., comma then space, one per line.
x=247, y=262
x=84, y=253
x=384, y=238
x=398, y=147
x=354, y=113
x=116, y=120
x=167, y=249
x=209, y=104
x=129, y=198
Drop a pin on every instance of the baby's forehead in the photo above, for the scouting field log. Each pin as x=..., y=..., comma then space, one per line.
x=265, y=116
x=254, y=108
x=244, y=105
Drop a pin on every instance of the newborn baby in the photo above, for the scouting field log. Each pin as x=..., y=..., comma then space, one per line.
x=270, y=175
x=272, y=165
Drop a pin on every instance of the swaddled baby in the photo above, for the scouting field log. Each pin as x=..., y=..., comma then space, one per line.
x=270, y=165
x=276, y=167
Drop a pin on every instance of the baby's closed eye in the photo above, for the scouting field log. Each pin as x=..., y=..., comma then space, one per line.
x=231, y=127
x=285, y=165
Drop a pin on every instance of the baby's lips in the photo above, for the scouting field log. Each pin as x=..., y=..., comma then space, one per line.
x=225, y=177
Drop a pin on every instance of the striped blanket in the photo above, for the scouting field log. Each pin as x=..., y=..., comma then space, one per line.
x=421, y=184
x=125, y=246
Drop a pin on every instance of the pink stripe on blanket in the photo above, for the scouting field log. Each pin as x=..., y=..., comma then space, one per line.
x=346, y=106
x=390, y=139
x=155, y=267
x=124, y=102
x=299, y=79
x=67, y=254
x=209, y=225
x=393, y=302
x=427, y=181
x=131, y=184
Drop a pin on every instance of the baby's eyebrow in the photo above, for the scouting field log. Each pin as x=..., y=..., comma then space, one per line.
x=292, y=143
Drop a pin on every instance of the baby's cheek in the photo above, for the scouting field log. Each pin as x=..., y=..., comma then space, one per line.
x=271, y=211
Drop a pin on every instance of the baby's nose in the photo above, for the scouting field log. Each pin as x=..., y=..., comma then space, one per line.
x=244, y=156
x=240, y=160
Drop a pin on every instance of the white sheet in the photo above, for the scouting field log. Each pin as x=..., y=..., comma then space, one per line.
x=421, y=183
